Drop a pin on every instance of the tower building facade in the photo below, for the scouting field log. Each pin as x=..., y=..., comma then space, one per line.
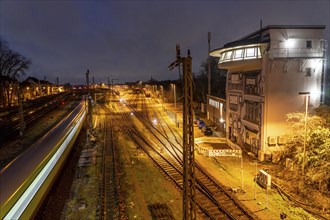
x=268, y=70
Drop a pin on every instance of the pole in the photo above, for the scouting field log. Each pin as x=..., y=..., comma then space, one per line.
x=267, y=188
x=188, y=140
x=241, y=169
x=22, y=124
x=162, y=96
x=174, y=91
x=305, y=137
x=89, y=109
x=176, y=120
x=255, y=182
x=209, y=65
x=189, y=189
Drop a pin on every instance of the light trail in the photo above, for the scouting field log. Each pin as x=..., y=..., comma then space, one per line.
x=18, y=209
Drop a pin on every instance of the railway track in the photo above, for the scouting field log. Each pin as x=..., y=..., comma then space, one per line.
x=11, y=125
x=212, y=199
x=203, y=178
x=112, y=202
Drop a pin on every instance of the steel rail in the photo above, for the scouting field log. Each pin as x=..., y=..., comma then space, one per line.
x=203, y=190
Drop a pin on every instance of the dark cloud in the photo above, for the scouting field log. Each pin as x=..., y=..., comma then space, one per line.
x=134, y=40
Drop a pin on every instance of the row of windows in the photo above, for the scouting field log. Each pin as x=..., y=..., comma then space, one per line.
x=242, y=53
x=215, y=104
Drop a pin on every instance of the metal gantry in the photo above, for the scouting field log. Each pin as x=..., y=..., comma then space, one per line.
x=189, y=190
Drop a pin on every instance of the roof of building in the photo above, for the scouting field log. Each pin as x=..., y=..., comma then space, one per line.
x=260, y=31
x=32, y=80
x=262, y=36
x=25, y=83
x=45, y=82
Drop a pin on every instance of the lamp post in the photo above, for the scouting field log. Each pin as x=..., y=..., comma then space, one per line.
x=306, y=94
x=162, y=92
x=174, y=93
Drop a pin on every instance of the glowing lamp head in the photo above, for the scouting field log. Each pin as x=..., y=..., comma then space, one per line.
x=290, y=43
x=315, y=93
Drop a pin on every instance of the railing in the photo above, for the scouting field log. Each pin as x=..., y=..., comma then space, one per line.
x=295, y=52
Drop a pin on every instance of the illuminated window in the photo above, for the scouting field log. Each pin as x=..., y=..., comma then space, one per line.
x=222, y=56
x=250, y=52
x=214, y=103
x=258, y=52
x=228, y=55
x=238, y=53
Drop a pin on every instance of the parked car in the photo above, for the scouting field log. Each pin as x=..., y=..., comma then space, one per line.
x=208, y=131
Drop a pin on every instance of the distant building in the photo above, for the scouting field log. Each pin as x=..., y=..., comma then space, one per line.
x=33, y=88
x=30, y=88
x=267, y=70
x=47, y=87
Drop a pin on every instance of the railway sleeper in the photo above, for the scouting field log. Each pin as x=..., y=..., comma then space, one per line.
x=214, y=211
x=160, y=211
x=210, y=185
x=228, y=205
x=177, y=177
x=224, y=198
x=173, y=173
x=213, y=189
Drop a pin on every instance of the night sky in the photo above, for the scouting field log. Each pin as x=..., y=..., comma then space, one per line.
x=135, y=40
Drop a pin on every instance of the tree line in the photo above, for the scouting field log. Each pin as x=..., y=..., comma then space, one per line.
x=218, y=80
x=13, y=65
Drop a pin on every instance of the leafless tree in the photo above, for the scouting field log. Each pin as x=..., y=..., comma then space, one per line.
x=218, y=81
x=12, y=66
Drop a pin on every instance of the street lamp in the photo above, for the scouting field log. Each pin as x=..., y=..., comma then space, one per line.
x=174, y=92
x=306, y=94
x=162, y=92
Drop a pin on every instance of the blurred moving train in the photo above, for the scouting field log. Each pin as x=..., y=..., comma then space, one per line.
x=25, y=182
